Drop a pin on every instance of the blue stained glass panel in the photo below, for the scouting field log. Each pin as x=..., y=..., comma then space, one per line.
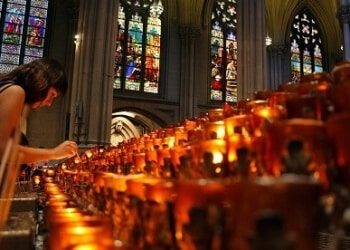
x=11, y=48
x=22, y=2
x=38, y=12
x=296, y=66
x=40, y=3
x=318, y=68
x=28, y=59
x=9, y=58
x=132, y=71
x=36, y=52
x=7, y=67
x=16, y=9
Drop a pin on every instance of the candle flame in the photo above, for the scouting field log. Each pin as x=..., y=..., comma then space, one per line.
x=217, y=157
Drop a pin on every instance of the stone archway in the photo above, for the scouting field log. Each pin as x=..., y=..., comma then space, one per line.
x=129, y=124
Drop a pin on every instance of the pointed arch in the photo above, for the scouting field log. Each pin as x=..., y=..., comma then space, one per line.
x=138, y=46
x=223, y=51
x=306, y=44
x=127, y=124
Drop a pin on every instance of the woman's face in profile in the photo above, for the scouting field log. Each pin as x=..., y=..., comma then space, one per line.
x=52, y=93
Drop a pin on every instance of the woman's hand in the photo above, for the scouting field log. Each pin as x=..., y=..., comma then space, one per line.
x=65, y=150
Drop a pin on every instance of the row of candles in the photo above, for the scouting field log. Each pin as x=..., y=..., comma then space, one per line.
x=158, y=213
x=71, y=228
x=202, y=184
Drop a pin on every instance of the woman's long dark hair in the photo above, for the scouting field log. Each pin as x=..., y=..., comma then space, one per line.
x=37, y=77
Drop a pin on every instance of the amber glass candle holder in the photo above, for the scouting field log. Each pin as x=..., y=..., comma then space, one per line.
x=176, y=153
x=157, y=215
x=180, y=135
x=139, y=161
x=315, y=83
x=340, y=93
x=341, y=72
x=280, y=98
x=306, y=137
x=338, y=127
x=209, y=158
x=120, y=206
x=288, y=87
x=90, y=230
x=216, y=114
x=263, y=116
x=214, y=130
x=199, y=215
x=189, y=125
x=238, y=124
x=136, y=198
x=309, y=107
x=254, y=104
x=235, y=142
x=295, y=198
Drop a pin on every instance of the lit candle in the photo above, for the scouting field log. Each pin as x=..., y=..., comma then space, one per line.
x=214, y=130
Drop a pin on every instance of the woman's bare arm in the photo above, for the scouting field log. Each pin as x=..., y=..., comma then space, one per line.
x=64, y=150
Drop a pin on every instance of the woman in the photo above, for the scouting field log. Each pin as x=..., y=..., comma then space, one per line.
x=36, y=84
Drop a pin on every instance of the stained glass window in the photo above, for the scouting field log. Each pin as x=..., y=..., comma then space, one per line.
x=24, y=29
x=223, y=80
x=137, y=53
x=306, y=46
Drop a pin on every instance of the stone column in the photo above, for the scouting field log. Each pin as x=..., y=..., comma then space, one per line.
x=344, y=15
x=278, y=65
x=92, y=92
x=251, y=47
x=188, y=35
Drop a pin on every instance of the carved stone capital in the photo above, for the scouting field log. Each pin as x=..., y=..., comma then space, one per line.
x=344, y=14
x=189, y=32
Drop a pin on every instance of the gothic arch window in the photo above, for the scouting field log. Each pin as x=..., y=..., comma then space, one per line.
x=137, y=53
x=306, y=46
x=23, y=28
x=223, y=51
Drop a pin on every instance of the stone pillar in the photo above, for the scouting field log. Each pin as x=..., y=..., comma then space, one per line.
x=278, y=65
x=251, y=47
x=344, y=15
x=92, y=92
x=188, y=35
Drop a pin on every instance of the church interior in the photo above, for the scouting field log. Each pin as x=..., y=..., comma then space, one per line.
x=201, y=124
